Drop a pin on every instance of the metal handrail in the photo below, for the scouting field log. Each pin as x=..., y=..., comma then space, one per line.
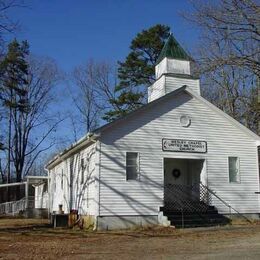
x=184, y=201
x=184, y=194
x=181, y=208
x=178, y=199
x=225, y=203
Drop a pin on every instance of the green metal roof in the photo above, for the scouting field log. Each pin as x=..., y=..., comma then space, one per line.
x=172, y=49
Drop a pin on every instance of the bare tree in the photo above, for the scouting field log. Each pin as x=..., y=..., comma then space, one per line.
x=230, y=33
x=75, y=180
x=233, y=90
x=3, y=172
x=33, y=131
x=83, y=177
x=8, y=25
x=95, y=83
x=228, y=55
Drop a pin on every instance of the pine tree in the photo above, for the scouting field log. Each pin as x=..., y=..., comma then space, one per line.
x=14, y=72
x=136, y=73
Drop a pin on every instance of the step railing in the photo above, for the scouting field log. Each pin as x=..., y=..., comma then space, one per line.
x=12, y=207
x=194, y=198
x=170, y=203
x=184, y=198
x=31, y=202
x=230, y=208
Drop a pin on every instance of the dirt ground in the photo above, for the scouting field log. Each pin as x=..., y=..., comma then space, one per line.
x=33, y=239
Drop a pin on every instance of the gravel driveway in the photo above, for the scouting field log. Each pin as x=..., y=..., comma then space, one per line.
x=32, y=239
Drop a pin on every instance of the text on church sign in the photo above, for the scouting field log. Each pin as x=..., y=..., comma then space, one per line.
x=180, y=145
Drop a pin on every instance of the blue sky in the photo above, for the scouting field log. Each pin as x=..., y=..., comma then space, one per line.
x=72, y=32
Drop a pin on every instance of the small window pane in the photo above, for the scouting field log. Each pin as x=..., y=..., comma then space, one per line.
x=132, y=166
x=233, y=163
x=131, y=158
x=131, y=173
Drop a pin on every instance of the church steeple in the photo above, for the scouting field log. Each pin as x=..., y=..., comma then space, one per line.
x=172, y=71
x=172, y=59
x=173, y=50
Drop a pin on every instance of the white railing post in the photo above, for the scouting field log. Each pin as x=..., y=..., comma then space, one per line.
x=26, y=193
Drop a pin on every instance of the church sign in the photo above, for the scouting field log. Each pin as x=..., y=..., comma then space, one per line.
x=180, y=145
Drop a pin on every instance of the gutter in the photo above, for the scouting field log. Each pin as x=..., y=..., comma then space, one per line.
x=85, y=141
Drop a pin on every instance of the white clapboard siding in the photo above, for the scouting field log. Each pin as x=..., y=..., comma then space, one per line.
x=75, y=194
x=166, y=84
x=59, y=192
x=161, y=68
x=90, y=175
x=178, y=66
x=143, y=132
x=168, y=65
x=173, y=83
x=157, y=89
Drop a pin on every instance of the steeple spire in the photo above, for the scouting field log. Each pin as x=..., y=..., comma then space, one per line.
x=172, y=49
x=172, y=71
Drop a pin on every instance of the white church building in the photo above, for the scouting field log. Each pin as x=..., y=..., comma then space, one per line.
x=177, y=160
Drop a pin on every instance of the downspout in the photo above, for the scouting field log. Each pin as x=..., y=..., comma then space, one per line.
x=49, y=199
x=93, y=138
x=258, y=169
x=99, y=176
x=49, y=194
x=98, y=145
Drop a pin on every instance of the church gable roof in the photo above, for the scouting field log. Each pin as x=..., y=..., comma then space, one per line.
x=230, y=119
x=90, y=137
x=142, y=108
x=172, y=49
x=191, y=93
